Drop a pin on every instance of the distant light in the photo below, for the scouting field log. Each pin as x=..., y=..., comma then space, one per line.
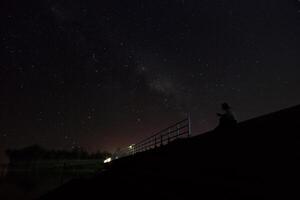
x=107, y=160
x=131, y=146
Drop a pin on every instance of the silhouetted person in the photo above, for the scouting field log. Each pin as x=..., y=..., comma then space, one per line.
x=227, y=119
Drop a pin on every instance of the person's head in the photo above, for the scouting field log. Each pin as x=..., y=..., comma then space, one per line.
x=225, y=106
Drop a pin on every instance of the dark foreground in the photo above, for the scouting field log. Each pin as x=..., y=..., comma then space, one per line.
x=257, y=160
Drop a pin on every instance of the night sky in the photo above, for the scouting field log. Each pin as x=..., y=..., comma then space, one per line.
x=105, y=74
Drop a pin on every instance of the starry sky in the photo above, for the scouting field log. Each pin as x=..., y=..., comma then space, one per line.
x=105, y=74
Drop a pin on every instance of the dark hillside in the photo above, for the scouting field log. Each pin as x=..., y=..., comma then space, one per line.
x=259, y=159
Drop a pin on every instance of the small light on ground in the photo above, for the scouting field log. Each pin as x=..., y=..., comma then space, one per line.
x=107, y=160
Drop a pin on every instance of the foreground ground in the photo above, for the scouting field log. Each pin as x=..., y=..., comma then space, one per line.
x=259, y=159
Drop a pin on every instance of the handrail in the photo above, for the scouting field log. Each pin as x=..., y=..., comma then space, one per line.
x=163, y=137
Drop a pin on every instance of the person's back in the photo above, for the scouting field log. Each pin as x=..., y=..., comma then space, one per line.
x=229, y=115
x=227, y=120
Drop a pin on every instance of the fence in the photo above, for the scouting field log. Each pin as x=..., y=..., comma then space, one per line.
x=178, y=130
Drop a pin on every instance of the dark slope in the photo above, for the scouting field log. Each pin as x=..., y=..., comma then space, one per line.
x=257, y=160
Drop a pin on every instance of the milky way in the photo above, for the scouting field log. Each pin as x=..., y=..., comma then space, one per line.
x=102, y=75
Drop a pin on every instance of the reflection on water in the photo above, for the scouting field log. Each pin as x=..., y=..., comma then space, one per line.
x=30, y=180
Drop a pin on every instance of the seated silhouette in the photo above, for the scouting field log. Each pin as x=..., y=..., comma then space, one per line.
x=227, y=119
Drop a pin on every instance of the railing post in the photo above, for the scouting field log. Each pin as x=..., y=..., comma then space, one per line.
x=155, y=142
x=190, y=125
x=169, y=136
x=161, y=140
x=133, y=150
x=178, y=131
